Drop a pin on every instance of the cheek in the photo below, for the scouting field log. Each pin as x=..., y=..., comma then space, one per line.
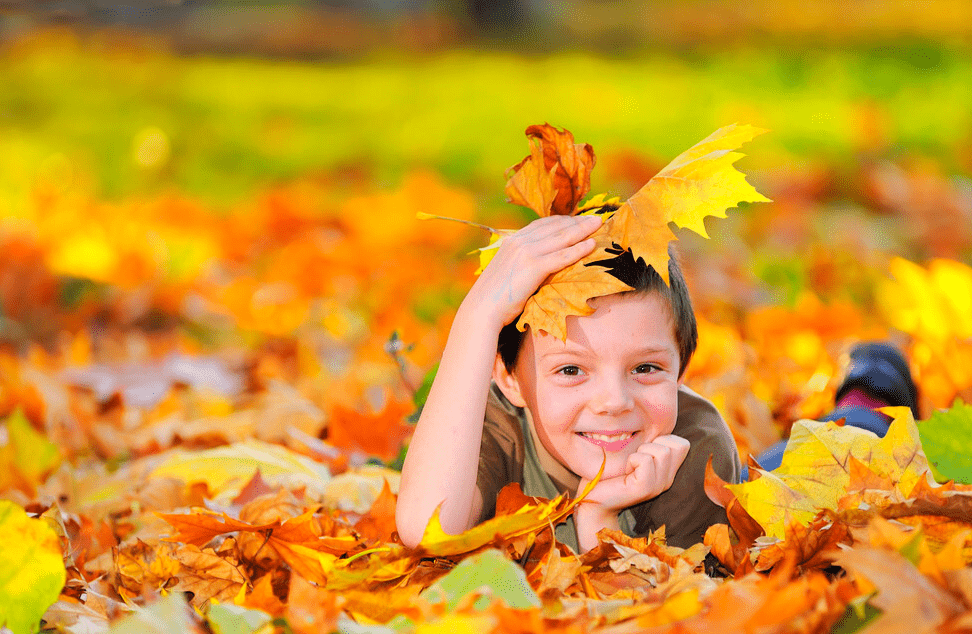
x=559, y=410
x=661, y=413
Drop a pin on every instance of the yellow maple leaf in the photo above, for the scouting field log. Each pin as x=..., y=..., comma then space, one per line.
x=529, y=517
x=700, y=182
x=815, y=471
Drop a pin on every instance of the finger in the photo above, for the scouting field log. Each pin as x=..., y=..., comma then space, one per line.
x=557, y=260
x=679, y=446
x=642, y=466
x=557, y=233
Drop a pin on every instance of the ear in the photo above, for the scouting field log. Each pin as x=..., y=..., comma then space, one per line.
x=507, y=383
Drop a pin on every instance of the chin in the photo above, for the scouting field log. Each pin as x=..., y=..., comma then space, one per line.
x=612, y=469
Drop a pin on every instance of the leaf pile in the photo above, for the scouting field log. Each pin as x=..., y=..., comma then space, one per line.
x=209, y=426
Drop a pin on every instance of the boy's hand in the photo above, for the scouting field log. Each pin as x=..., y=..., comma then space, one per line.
x=526, y=258
x=649, y=471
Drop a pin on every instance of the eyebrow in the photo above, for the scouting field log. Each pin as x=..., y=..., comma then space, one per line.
x=646, y=351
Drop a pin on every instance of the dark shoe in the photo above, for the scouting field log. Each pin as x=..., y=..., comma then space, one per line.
x=881, y=371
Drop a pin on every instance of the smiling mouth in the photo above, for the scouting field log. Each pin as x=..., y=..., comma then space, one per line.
x=608, y=442
x=608, y=437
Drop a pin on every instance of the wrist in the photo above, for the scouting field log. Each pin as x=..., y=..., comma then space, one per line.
x=594, y=512
x=478, y=315
x=590, y=518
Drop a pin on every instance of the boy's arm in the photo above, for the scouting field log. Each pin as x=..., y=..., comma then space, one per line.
x=442, y=459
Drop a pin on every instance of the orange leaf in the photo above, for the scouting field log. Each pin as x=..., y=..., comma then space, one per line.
x=734, y=556
x=380, y=434
x=555, y=176
x=311, y=609
x=207, y=575
x=199, y=528
x=809, y=547
x=910, y=602
x=747, y=528
x=379, y=522
x=263, y=598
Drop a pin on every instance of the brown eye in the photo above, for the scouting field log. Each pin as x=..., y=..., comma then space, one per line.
x=646, y=368
x=569, y=370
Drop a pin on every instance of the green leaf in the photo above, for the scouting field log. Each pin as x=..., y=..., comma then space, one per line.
x=226, y=618
x=422, y=393
x=490, y=572
x=31, y=569
x=859, y=615
x=168, y=615
x=944, y=437
x=34, y=455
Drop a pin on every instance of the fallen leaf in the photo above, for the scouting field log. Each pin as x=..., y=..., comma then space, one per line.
x=168, y=615
x=226, y=618
x=908, y=600
x=815, y=471
x=27, y=456
x=225, y=470
x=943, y=440
x=489, y=574
x=207, y=575
x=378, y=434
x=31, y=569
x=379, y=522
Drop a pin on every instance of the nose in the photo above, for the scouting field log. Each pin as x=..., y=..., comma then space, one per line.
x=611, y=396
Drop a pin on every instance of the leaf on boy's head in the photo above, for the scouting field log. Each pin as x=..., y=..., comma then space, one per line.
x=555, y=176
x=700, y=182
x=567, y=291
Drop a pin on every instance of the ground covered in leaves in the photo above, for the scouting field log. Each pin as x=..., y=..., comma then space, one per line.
x=203, y=408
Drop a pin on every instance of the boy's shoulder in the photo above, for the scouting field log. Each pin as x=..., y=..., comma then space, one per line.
x=697, y=414
x=700, y=422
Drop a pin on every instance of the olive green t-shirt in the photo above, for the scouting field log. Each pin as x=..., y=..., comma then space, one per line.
x=510, y=452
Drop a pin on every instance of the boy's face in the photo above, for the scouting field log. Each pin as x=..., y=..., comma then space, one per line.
x=610, y=387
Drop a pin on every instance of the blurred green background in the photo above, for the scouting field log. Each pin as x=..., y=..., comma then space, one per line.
x=248, y=173
x=219, y=98
x=869, y=105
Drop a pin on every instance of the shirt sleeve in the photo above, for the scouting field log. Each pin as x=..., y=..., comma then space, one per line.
x=684, y=509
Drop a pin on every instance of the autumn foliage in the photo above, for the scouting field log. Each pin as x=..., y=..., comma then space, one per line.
x=202, y=411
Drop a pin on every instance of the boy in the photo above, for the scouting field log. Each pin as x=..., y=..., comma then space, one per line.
x=530, y=408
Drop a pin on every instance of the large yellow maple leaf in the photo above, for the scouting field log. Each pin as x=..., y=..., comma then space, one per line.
x=700, y=182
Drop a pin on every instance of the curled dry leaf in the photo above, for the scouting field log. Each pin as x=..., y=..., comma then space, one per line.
x=555, y=176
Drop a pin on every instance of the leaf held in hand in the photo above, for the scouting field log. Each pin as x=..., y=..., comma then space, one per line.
x=700, y=182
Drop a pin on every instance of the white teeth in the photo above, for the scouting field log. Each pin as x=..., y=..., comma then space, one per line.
x=605, y=438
